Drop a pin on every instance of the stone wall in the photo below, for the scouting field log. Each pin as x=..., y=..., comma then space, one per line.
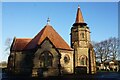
x=46, y=46
x=66, y=62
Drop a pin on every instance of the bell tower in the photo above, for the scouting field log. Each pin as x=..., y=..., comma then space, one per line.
x=80, y=33
x=84, y=56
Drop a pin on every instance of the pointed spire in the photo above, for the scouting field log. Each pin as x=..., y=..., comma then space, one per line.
x=79, y=17
x=48, y=20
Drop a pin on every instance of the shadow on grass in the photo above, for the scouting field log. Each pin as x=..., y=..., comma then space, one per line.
x=98, y=76
x=61, y=77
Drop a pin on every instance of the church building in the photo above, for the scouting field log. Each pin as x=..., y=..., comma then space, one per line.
x=47, y=54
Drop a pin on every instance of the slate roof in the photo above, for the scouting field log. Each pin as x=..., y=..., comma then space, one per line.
x=47, y=31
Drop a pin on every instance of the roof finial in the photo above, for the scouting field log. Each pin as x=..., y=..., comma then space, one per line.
x=48, y=20
x=78, y=6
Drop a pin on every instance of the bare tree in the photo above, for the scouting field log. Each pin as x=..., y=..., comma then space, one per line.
x=99, y=52
x=8, y=45
x=106, y=50
x=114, y=45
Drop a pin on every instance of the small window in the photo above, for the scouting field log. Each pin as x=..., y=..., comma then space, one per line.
x=82, y=34
x=66, y=59
x=83, y=60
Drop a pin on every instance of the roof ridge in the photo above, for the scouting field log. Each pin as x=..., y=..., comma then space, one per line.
x=40, y=32
x=23, y=38
x=59, y=35
x=47, y=31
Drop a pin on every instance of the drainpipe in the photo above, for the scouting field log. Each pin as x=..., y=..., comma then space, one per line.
x=74, y=61
x=89, y=52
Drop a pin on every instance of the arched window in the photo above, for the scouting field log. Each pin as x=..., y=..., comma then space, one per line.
x=82, y=35
x=83, y=60
x=46, y=59
x=66, y=59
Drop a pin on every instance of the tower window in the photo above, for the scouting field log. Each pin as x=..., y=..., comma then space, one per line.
x=82, y=34
x=83, y=60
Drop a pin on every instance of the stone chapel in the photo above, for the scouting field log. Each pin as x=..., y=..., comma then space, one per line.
x=47, y=54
